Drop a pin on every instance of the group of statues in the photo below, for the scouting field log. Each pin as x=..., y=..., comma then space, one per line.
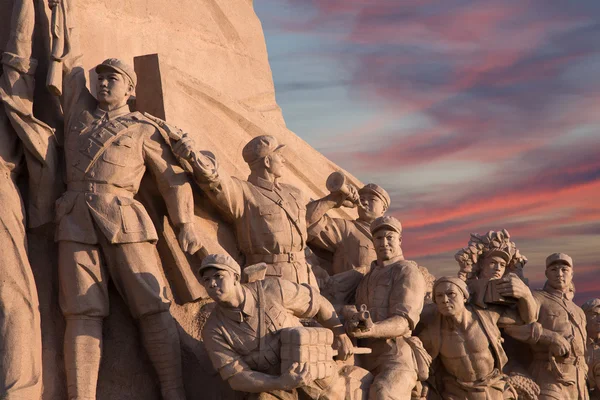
x=279, y=318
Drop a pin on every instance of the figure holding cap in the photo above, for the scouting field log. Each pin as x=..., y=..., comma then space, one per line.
x=350, y=241
x=269, y=216
x=558, y=339
x=245, y=350
x=466, y=342
x=103, y=232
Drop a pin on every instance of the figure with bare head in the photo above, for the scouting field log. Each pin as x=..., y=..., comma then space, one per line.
x=465, y=339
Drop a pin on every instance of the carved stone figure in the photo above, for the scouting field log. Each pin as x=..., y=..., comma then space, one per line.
x=244, y=335
x=486, y=259
x=25, y=143
x=466, y=339
x=103, y=233
x=350, y=241
x=269, y=216
x=393, y=293
x=591, y=308
x=558, y=339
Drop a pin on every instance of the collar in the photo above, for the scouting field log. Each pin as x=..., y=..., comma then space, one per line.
x=263, y=183
x=247, y=309
x=396, y=261
x=555, y=292
x=112, y=114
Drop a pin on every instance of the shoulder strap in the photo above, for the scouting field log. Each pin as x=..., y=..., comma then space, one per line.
x=569, y=313
x=104, y=136
x=262, y=329
x=363, y=229
x=284, y=206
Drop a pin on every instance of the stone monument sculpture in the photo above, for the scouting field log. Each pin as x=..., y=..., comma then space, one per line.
x=350, y=241
x=558, y=338
x=103, y=233
x=486, y=259
x=269, y=216
x=26, y=143
x=393, y=292
x=591, y=308
x=466, y=341
x=244, y=335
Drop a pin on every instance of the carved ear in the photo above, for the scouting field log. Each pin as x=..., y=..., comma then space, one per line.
x=267, y=161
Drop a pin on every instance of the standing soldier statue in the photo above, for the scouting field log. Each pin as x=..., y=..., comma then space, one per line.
x=103, y=233
x=350, y=241
x=25, y=143
x=269, y=216
x=558, y=339
x=393, y=293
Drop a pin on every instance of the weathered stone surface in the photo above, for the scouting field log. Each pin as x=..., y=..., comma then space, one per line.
x=216, y=84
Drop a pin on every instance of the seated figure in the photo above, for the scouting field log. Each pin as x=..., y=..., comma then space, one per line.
x=244, y=341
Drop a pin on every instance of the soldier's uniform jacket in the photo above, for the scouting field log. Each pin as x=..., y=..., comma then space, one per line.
x=232, y=337
x=558, y=314
x=349, y=240
x=397, y=289
x=593, y=362
x=106, y=154
x=269, y=220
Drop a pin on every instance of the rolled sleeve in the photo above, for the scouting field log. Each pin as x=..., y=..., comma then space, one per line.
x=223, y=357
x=408, y=294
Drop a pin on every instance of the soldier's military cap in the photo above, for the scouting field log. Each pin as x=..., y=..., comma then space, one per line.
x=377, y=191
x=559, y=258
x=260, y=147
x=220, y=261
x=388, y=222
x=118, y=66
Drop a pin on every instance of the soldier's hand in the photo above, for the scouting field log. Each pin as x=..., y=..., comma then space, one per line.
x=512, y=286
x=361, y=333
x=53, y=3
x=560, y=346
x=184, y=147
x=296, y=376
x=189, y=240
x=344, y=346
x=352, y=196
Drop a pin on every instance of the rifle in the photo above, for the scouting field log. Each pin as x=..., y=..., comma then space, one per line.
x=60, y=47
x=360, y=320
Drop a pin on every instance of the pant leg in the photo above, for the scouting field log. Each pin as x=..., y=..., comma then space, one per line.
x=393, y=382
x=83, y=298
x=135, y=270
x=20, y=329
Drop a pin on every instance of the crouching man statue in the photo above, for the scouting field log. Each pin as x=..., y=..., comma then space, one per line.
x=466, y=340
x=248, y=334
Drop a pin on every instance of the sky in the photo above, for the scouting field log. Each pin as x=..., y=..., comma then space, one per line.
x=474, y=116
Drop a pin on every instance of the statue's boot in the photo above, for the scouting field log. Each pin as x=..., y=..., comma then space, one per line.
x=83, y=350
x=161, y=340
